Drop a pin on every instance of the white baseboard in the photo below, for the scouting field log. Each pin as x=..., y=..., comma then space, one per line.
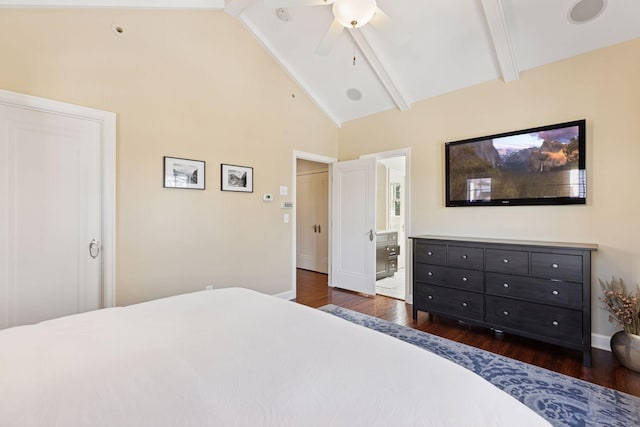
x=601, y=342
x=289, y=295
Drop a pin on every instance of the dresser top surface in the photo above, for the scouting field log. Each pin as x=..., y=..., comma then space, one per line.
x=586, y=246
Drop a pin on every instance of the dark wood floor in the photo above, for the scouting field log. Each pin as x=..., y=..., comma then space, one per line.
x=312, y=290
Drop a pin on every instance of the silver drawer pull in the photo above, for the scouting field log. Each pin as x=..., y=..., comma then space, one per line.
x=506, y=285
x=388, y=249
x=430, y=274
x=555, y=323
x=464, y=257
x=464, y=279
x=555, y=292
x=554, y=265
x=506, y=313
x=506, y=261
x=430, y=297
x=464, y=304
x=429, y=253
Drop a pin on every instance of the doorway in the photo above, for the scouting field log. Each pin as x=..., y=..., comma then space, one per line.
x=312, y=214
x=390, y=227
x=311, y=207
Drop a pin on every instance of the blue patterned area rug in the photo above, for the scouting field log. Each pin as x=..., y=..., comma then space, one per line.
x=560, y=399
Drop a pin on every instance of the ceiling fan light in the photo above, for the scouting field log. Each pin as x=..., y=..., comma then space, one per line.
x=354, y=13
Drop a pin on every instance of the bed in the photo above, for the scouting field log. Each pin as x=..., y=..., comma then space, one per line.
x=234, y=357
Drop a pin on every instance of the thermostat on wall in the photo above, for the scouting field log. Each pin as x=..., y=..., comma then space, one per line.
x=267, y=197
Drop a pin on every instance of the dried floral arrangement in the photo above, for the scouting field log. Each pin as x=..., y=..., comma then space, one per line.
x=623, y=305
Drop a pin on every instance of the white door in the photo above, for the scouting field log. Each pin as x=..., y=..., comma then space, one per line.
x=306, y=227
x=312, y=213
x=50, y=212
x=353, y=225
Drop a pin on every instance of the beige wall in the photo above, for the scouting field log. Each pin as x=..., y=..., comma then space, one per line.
x=189, y=84
x=602, y=86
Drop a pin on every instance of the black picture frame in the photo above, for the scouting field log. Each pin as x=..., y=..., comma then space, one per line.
x=187, y=174
x=236, y=178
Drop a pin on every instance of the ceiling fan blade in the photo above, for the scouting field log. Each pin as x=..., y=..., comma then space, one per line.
x=387, y=29
x=330, y=38
x=276, y=4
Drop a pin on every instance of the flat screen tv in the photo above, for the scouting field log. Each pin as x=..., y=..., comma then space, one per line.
x=538, y=166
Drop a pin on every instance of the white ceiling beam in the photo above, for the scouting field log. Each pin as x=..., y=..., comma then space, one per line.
x=236, y=7
x=297, y=77
x=138, y=4
x=499, y=29
x=368, y=50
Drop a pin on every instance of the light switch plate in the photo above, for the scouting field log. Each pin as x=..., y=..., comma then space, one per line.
x=285, y=218
x=284, y=190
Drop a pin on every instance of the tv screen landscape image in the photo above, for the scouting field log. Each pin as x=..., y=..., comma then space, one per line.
x=538, y=166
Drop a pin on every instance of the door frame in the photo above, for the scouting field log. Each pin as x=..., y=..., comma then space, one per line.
x=314, y=158
x=406, y=153
x=107, y=121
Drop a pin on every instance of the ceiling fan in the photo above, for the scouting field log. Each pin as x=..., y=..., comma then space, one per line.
x=351, y=14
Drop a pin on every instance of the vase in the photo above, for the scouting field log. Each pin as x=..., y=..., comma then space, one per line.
x=626, y=348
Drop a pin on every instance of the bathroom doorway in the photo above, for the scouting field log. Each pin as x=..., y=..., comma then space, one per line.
x=391, y=227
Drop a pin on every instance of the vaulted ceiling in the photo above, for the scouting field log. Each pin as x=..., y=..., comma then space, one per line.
x=427, y=48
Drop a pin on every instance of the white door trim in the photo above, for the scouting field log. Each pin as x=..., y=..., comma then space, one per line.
x=107, y=121
x=314, y=158
x=406, y=152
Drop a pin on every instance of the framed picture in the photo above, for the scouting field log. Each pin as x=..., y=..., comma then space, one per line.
x=183, y=173
x=236, y=178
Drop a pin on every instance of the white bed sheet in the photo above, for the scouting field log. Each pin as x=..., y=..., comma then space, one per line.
x=234, y=357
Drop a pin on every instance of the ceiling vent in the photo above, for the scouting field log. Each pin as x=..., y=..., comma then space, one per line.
x=354, y=94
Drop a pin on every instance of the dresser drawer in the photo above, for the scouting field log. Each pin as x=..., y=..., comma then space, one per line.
x=465, y=257
x=542, y=290
x=393, y=264
x=430, y=253
x=461, y=304
x=557, y=266
x=448, y=276
x=516, y=262
x=551, y=322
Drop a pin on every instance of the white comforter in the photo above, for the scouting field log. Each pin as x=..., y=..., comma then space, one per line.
x=234, y=357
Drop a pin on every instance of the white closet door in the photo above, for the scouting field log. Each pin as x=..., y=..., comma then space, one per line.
x=50, y=212
x=312, y=222
x=306, y=226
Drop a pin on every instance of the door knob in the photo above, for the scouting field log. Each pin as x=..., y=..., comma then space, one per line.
x=94, y=248
x=371, y=235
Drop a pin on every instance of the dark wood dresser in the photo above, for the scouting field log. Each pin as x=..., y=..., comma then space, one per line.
x=539, y=290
